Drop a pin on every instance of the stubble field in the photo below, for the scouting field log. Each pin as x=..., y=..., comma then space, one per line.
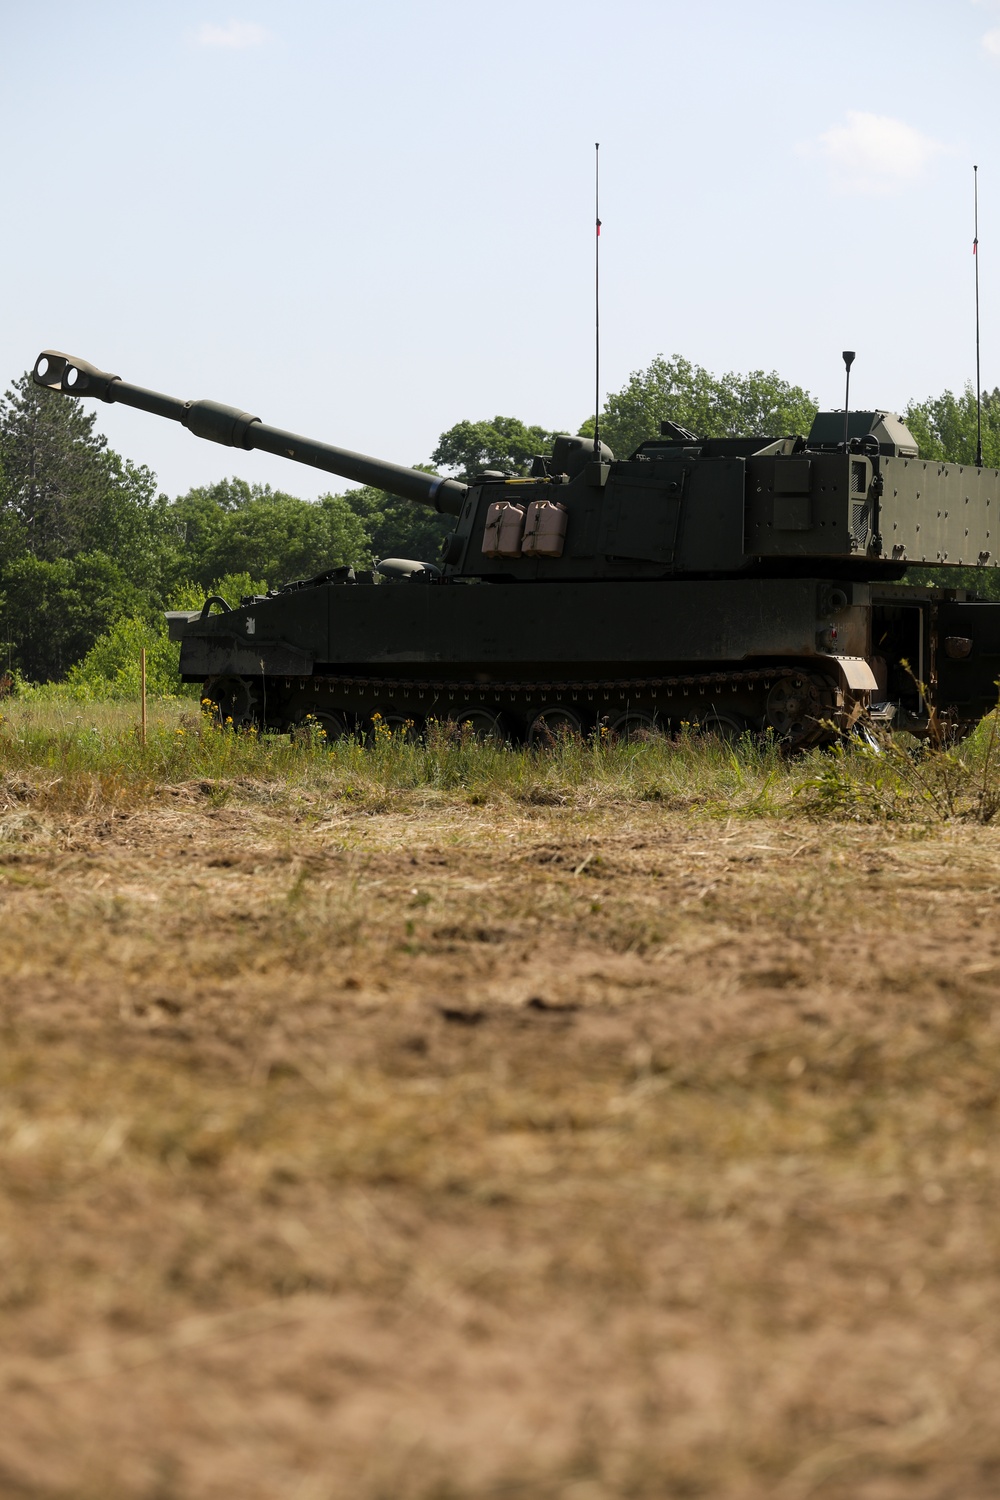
x=370, y=1135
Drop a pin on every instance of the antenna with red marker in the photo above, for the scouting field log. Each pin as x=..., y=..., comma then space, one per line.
x=597, y=302
x=979, y=399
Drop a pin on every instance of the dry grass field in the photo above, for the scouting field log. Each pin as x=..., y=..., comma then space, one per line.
x=365, y=1135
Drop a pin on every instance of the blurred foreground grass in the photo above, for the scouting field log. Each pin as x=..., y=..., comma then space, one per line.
x=554, y=1151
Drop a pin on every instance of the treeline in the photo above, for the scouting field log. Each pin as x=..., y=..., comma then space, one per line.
x=91, y=554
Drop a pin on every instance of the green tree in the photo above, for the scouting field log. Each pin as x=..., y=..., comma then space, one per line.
x=505, y=443
x=64, y=493
x=945, y=427
x=395, y=527
x=128, y=521
x=233, y=527
x=51, y=612
x=54, y=468
x=12, y=537
x=710, y=405
x=111, y=668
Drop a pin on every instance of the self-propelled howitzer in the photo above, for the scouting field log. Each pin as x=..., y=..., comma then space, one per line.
x=736, y=583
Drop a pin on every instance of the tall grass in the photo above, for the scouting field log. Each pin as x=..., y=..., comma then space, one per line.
x=67, y=749
x=893, y=778
x=59, y=750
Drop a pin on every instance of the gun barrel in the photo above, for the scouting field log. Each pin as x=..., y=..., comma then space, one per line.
x=240, y=429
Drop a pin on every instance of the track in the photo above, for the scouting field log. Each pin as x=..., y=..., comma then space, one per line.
x=794, y=704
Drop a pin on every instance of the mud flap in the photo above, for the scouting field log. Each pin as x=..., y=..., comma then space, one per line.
x=855, y=682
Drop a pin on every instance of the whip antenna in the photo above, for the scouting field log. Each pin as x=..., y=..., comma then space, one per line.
x=979, y=398
x=848, y=362
x=597, y=301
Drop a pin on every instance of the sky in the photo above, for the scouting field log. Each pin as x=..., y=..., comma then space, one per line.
x=367, y=221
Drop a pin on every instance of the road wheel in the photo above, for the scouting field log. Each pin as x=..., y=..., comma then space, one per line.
x=554, y=724
x=322, y=724
x=633, y=724
x=483, y=725
x=723, y=724
x=233, y=700
x=385, y=725
x=796, y=707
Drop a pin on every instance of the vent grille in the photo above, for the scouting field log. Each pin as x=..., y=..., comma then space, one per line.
x=860, y=512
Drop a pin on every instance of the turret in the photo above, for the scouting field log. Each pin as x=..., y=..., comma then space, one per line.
x=853, y=497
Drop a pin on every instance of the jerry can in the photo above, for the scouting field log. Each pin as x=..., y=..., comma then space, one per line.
x=504, y=527
x=544, y=529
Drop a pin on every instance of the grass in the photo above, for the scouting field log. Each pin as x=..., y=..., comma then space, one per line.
x=75, y=753
x=75, y=743
x=896, y=778
x=446, y=1122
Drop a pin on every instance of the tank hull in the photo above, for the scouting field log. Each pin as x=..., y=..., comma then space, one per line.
x=631, y=626
x=674, y=651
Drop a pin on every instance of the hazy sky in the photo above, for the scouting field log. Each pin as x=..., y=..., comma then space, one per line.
x=367, y=221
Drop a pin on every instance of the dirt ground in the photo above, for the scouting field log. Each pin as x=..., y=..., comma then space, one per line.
x=456, y=1152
